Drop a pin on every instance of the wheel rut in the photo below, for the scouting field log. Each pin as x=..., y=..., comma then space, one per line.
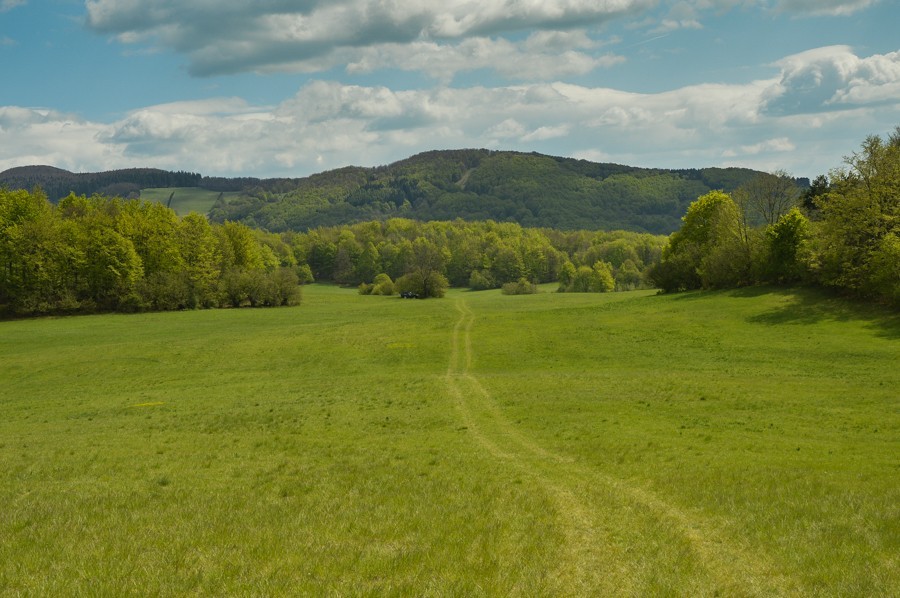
x=597, y=558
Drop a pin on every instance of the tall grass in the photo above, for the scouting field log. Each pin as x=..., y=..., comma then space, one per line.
x=477, y=445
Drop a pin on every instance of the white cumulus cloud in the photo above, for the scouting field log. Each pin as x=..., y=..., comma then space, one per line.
x=834, y=78
x=312, y=35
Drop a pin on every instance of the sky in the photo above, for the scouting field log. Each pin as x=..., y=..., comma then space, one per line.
x=293, y=87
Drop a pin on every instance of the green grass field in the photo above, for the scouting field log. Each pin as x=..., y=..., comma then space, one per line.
x=732, y=443
x=186, y=199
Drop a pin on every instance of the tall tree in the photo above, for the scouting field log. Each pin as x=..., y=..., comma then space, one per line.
x=200, y=254
x=861, y=221
x=770, y=196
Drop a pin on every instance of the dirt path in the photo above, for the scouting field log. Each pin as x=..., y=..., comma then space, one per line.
x=593, y=509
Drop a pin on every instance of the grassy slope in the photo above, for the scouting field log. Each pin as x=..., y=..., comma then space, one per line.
x=186, y=199
x=480, y=444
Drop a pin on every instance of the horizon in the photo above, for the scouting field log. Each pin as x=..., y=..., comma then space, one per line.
x=375, y=166
x=308, y=87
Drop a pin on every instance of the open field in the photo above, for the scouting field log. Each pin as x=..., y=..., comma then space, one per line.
x=186, y=199
x=739, y=443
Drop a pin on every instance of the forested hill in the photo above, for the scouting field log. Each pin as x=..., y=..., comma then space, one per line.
x=57, y=183
x=531, y=189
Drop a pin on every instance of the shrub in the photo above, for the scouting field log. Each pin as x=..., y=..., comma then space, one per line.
x=434, y=284
x=523, y=286
x=383, y=285
x=482, y=280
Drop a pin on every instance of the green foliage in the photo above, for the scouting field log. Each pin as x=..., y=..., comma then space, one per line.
x=523, y=286
x=851, y=244
x=58, y=183
x=304, y=274
x=699, y=250
x=383, y=285
x=566, y=275
x=424, y=284
x=861, y=220
x=596, y=279
x=787, y=242
x=109, y=254
x=530, y=189
x=480, y=255
x=482, y=280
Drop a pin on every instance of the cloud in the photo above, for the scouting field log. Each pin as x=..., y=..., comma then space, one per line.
x=682, y=15
x=787, y=121
x=833, y=78
x=314, y=35
x=6, y=5
x=825, y=7
x=329, y=124
x=539, y=57
x=38, y=136
x=780, y=144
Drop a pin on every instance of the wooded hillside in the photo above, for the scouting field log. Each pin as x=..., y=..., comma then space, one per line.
x=532, y=190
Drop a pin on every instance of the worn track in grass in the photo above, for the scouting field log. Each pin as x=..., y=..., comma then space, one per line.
x=598, y=556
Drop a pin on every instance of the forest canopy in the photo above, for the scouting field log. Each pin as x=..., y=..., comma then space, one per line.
x=109, y=254
x=96, y=253
x=100, y=253
x=842, y=233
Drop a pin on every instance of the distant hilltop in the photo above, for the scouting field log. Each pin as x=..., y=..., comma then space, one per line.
x=57, y=183
x=477, y=184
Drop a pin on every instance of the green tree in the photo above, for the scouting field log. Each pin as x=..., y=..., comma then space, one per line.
x=199, y=252
x=426, y=277
x=382, y=285
x=786, y=242
x=701, y=230
x=566, y=275
x=112, y=269
x=817, y=191
x=861, y=220
x=482, y=280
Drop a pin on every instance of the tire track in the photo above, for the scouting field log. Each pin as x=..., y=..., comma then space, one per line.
x=584, y=567
x=594, y=562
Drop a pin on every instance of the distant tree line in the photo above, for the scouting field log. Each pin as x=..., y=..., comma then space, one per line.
x=426, y=258
x=842, y=232
x=89, y=254
x=57, y=183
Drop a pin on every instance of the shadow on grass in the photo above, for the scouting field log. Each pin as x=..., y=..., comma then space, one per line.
x=811, y=306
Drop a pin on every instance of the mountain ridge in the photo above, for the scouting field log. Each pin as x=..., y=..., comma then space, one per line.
x=532, y=189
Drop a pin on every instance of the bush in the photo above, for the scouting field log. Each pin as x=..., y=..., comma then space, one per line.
x=304, y=274
x=523, y=286
x=482, y=280
x=383, y=285
x=433, y=284
x=598, y=279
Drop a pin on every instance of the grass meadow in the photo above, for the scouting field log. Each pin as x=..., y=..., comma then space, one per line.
x=185, y=199
x=730, y=443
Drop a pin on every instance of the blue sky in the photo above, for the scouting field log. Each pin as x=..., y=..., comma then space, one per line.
x=292, y=87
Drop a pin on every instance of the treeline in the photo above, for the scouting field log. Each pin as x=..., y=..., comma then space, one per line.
x=843, y=232
x=88, y=254
x=58, y=183
x=425, y=258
